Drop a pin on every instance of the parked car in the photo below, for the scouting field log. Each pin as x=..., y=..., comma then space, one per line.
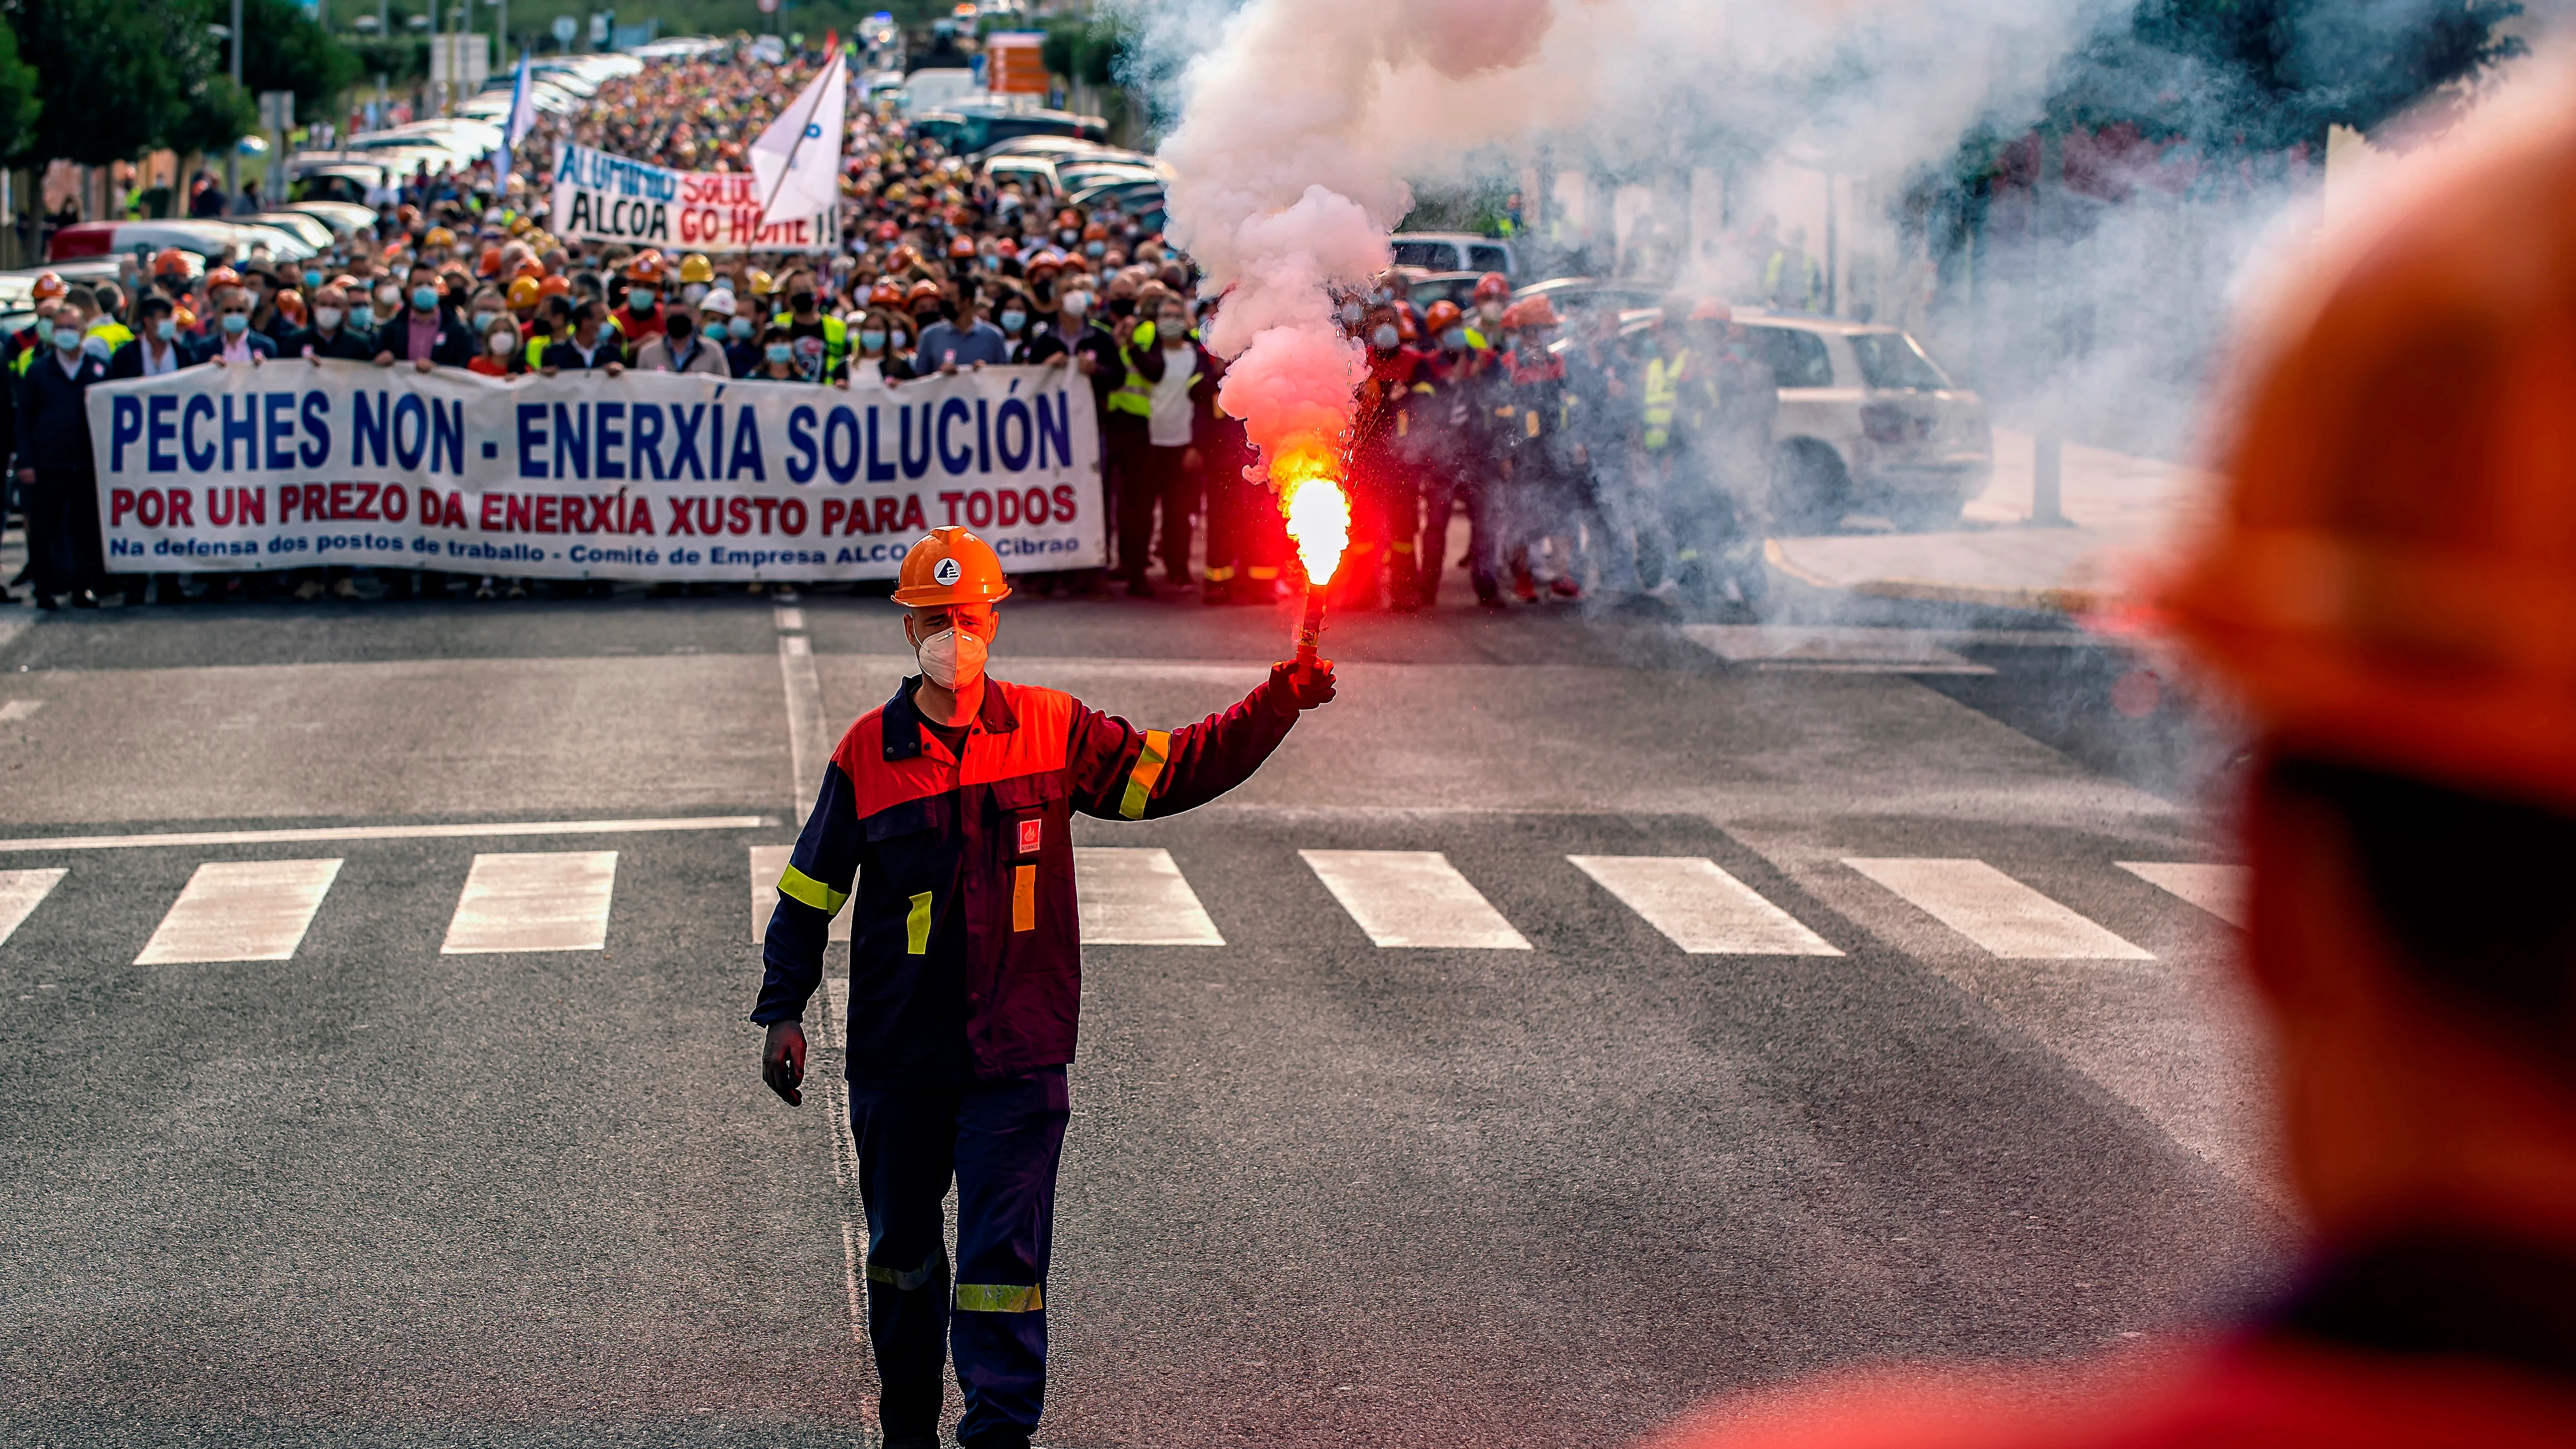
x=1868, y=422
x=312, y=230
x=969, y=128
x=343, y=217
x=202, y=238
x=1424, y=288
x=1580, y=299
x=1455, y=251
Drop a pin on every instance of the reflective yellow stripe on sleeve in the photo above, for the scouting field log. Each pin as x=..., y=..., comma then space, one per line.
x=999, y=1298
x=916, y=926
x=1024, y=898
x=1149, y=768
x=796, y=885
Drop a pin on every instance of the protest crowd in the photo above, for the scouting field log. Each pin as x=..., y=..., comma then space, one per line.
x=1583, y=467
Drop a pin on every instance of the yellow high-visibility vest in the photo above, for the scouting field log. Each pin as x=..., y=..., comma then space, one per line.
x=1663, y=386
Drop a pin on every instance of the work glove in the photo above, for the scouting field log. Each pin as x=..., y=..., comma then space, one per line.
x=782, y=1061
x=1295, y=686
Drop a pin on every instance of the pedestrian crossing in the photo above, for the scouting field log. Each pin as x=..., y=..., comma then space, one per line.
x=540, y=901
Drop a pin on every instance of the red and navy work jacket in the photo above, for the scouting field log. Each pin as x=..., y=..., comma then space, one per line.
x=965, y=952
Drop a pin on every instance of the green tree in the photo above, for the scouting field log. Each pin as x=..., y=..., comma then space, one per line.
x=109, y=74
x=283, y=50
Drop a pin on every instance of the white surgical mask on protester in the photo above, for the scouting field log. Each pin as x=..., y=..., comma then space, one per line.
x=502, y=342
x=1385, y=337
x=326, y=318
x=950, y=659
x=1076, y=305
x=1352, y=312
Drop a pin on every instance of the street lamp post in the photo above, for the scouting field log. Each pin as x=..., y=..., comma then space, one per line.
x=232, y=153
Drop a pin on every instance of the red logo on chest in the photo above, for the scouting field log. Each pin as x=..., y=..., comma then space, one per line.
x=1029, y=830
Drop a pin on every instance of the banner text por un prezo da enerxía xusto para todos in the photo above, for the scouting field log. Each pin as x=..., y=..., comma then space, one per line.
x=646, y=475
x=603, y=198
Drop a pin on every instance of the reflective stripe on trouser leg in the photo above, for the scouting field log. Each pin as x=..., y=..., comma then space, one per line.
x=1010, y=1135
x=907, y=1143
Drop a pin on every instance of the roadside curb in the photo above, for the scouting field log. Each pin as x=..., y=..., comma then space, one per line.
x=2046, y=601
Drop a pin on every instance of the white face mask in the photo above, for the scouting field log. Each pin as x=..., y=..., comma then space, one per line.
x=950, y=659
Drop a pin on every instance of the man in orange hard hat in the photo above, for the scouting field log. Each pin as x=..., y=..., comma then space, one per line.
x=944, y=823
x=2387, y=593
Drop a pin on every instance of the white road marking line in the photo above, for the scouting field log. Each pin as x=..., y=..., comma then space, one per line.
x=20, y=892
x=790, y=620
x=241, y=910
x=1996, y=911
x=537, y=901
x=2217, y=889
x=1138, y=897
x=19, y=708
x=808, y=733
x=390, y=832
x=1702, y=908
x=1832, y=648
x=845, y=1149
x=768, y=863
x=1412, y=898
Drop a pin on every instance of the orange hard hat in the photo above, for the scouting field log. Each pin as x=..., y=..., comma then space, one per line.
x=1440, y=316
x=49, y=287
x=922, y=291
x=222, y=277
x=961, y=246
x=488, y=264
x=2390, y=578
x=1095, y=232
x=555, y=287
x=532, y=269
x=951, y=566
x=1493, y=285
x=1534, y=312
x=1711, y=309
x=170, y=262
x=1407, y=325
x=646, y=268
x=524, y=293
x=885, y=294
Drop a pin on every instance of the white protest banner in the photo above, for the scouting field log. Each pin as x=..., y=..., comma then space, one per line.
x=648, y=475
x=603, y=198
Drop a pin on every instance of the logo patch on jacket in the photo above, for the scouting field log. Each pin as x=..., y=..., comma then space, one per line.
x=1029, y=836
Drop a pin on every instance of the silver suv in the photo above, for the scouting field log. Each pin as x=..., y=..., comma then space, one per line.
x=1868, y=423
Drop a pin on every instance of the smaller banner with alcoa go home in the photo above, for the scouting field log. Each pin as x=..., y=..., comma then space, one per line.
x=603, y=198
x=647, y=475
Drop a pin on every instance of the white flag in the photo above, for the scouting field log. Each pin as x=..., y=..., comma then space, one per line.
x=797, y=161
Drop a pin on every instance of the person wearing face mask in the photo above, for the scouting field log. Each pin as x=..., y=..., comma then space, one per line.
x=1180, y=378
x=680, y=348
x=503, y=354
x=697, y=278
x=591, y=346
x=157, y=347
x=779, y=362
x=333, y=331
x=967, y=341
x=1027, y=335
x=44, y=294
x=639, y=317
x=230, y=339
x=737, y=335
x=57, y=476
x=1095, y=241
x=881, y=357
x=802, y=321
x=944, y=824
x=427, y=332
x=1381, y=429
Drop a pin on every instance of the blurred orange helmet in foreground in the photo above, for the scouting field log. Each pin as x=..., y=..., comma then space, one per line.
x=2391, y=579
x=951, y=566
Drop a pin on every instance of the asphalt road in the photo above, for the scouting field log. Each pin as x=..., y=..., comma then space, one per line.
x=1318, y=1191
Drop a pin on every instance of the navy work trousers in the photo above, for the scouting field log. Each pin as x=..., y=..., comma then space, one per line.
x=1000, y=1141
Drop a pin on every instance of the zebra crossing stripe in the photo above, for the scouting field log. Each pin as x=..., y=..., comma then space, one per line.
x=1999, y=913
x=2217, y=889
x=1138, y=897
x=768, y=863
x=533, y=901
x=20, y=893
x=1412, y=898
x=241, y=910
x=1702, y=909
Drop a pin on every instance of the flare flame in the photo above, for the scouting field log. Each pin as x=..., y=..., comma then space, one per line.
x=1311, y=500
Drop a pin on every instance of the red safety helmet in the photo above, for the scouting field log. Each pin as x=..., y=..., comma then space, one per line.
x=1535, y=312
x=1045, y=261
x=168, y=262
x=1493, y=286
x=222, y=277
x=922, y=291
x=489, y=264
x=49, y=287
x=1408, y=325
x=1440, y=316
x=1711, y=309
x=961, y=247
x=885, y=294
